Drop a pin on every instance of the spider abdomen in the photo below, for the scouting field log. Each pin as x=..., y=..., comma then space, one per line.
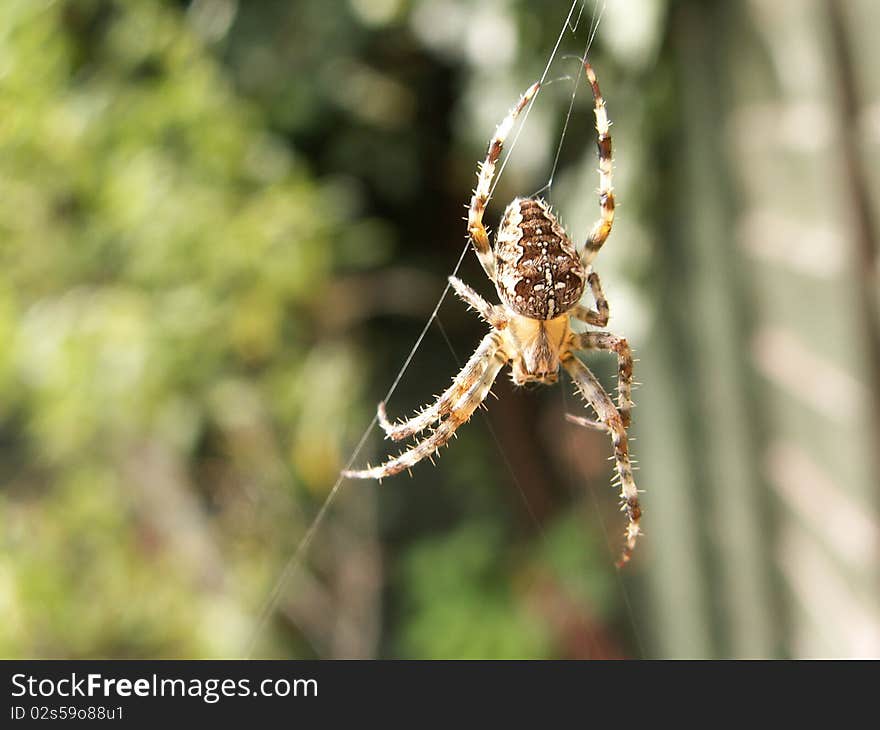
x=539, y=274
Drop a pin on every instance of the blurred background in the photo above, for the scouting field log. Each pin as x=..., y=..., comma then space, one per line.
x=223, y=226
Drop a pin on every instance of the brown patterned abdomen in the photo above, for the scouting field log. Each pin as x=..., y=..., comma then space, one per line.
x=538, y=271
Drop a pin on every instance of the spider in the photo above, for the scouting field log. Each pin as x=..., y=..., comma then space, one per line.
x=539, y=276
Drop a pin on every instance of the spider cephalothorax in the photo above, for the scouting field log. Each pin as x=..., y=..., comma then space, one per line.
x=540, y=277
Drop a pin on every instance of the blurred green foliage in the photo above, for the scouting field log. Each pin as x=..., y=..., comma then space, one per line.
x=461, y=606
x=162, y=253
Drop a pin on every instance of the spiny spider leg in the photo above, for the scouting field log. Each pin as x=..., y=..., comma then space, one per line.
x=607, y=342
x=602, y=227
x=472, y=371
x=599, y=316
x=491, y=313
x=459, y=414
x=478, y=233
x=601, y=403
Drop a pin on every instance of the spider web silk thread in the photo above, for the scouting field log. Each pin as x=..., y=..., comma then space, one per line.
x=296, y=559
x=566, y=26
x=575, y=89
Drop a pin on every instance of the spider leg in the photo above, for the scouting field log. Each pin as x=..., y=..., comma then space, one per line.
x=490, y=313
x=602, y=227
x=486, y=171
x=471, y=373
x=599, y=400
x=460, y=413
x=597, y=317
x=607, y=342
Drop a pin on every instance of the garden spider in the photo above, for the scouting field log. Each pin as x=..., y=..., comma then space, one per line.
x=540, y=277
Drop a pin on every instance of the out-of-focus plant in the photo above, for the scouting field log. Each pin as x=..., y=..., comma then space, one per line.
x=162, y=257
